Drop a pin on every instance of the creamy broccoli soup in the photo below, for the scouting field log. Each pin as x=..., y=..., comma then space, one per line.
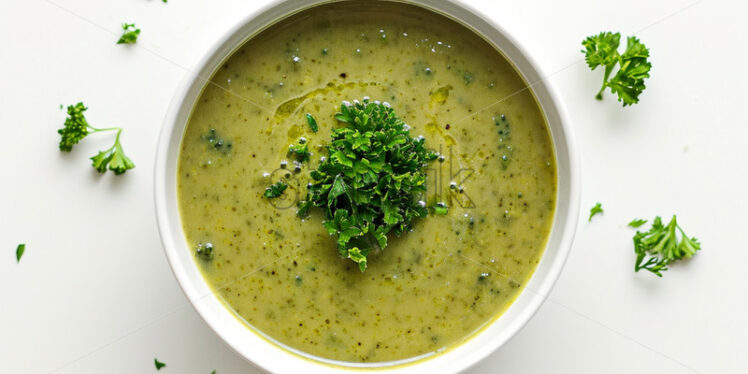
x=430, y=288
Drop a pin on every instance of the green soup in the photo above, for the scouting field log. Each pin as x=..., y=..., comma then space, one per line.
x=430, y=288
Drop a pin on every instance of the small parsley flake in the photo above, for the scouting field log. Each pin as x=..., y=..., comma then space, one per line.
x=312, y=122
x=598, y=208
x=19, y=252
x=275, y=190
x=204, y=251
x=129, y=34
x=440, y=209
x=300, y=150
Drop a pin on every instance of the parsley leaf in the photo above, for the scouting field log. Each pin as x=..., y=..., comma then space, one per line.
x=598, y=208
x=369, y=185
x=158, y=364
x=275, y=190
x=76, y=128
x=312, y=122
x=440, y=209
x=300, y=151
x=633, y=65
x=114, y=158
x=657, y=248
x=129, y=34
x=19, y=252
x=636, y=222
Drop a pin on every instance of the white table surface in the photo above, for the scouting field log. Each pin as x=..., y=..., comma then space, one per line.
x=94, y=293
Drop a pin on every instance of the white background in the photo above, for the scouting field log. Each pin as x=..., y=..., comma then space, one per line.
x=94, y=293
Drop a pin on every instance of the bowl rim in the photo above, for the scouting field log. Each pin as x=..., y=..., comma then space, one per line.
x=255, y=346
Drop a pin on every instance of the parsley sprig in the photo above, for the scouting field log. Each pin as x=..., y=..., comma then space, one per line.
x=76, y=128
x=657, y=248
x=130, y=34
x=370, y=184
x=633, y=66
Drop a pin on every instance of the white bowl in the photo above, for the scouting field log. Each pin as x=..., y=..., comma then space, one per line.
x=259, y=349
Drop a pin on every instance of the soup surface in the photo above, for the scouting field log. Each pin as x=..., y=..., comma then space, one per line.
x=429, y=289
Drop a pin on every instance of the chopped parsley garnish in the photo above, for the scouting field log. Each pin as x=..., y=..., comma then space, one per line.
x=440, y=209
x=505, y=148
x=300, y=150
x=598, y=208
x=205, y=251
x=158, y=364
x=633, y=66
x=636, y=222
x=370, y=184
x=76, y=128
x=467, y=77
x=217, y=142
x=129, y=34
x=312, y=122
x=19, y=251
x=657, y=248
x=275, y=190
